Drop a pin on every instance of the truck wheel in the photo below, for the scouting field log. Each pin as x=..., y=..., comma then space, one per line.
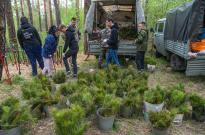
x=178, y=63
x=158, y=55
x=174, y=61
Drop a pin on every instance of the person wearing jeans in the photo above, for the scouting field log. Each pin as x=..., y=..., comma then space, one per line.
x=71, y=41
x=30, y=41
x=49, y=49
x=113, y=43
x=141, y=41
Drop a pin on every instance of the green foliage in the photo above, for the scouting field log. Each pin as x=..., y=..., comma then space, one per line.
x=198, y=104
x=133, y=99
x=150, y=61
x=178, y=98
x=111, y=105
x=161, y=119
x=45, y=98
x=11, y=100
x=68, y=88
x=128, y=33
x=70, y=121
x=44, y=80
x=31, y=89
x=12, y=114
x=155, y=96
x=59, y=77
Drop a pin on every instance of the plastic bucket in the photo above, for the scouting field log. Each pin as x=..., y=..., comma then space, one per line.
x=13, y=131
x=178, y=120
x=105, y=123
x=153, y=107
x=160, y=131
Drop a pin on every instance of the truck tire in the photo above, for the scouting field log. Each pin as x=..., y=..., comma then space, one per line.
x=158, y=55
x=177, y=62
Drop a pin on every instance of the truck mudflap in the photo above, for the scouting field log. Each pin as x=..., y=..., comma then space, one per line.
x=195, y=67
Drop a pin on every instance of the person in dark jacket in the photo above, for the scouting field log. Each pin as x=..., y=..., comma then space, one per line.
x=49, y=49
x=72, y=42
x=30, y=41
x=113, y=43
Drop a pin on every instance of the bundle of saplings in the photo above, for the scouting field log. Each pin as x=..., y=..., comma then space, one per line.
x=128, y=32
x=85, y=100
x=59, y=77
x=84, y=78
x=111, y=105
x=155, y=96
x=198, y=107
x=12, y=114
x=178, y=101
x=70, y=121
x=44, y=80
x=68, y=88
x=161, y=121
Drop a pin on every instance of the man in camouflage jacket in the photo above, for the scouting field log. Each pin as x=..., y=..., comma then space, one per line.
x=104, y=35
x=142, y=42
x=77, y=30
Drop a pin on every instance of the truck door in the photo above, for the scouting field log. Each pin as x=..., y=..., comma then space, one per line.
x=159, y=38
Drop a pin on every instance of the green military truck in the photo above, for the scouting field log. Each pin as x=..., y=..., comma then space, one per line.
x=174, y=34
x=128, y=14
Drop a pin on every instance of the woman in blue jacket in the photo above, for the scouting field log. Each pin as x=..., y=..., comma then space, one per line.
x=49, y=49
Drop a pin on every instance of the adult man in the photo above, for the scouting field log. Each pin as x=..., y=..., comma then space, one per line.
x=30, y=41
x=141, y=41
x=77, y=31
x=104, y=35
x=113, y=42
x=70, y=41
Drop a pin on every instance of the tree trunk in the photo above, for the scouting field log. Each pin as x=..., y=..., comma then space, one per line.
x=58, y=15
x=45, y=13
x=39, y=14
x=10, y=23
x=66, y=7
x=87, y=4
x=17, y=14
x=30, y=16
x=22, y=12
x=146, y=9
x=81, y=4
x=50, y=13
x=2, y=33
x=77, y=13
x=24, y=8
x=33, y=13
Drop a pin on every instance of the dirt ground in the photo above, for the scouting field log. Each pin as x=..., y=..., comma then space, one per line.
x=136, y=125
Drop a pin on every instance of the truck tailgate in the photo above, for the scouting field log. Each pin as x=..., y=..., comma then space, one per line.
x=195, y=67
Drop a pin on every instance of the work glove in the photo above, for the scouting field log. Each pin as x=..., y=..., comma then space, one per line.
x=63, y=55
x=105, y=41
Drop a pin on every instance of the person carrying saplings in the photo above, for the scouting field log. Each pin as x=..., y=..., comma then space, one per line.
x=113, y=43
x=72, y=42
x=142, y=42
x=104, y=35
x=30, y=41
x=49, y=49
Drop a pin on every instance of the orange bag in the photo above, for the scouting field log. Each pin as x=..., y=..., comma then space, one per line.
x=198, y=46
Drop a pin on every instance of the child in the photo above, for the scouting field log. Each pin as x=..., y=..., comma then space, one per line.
x=49, y=49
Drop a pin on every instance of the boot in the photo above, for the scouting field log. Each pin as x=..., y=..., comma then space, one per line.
x=99, y=66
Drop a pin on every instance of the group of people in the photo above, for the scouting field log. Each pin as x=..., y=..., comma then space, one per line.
x=109, y=44
x=30, y=41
